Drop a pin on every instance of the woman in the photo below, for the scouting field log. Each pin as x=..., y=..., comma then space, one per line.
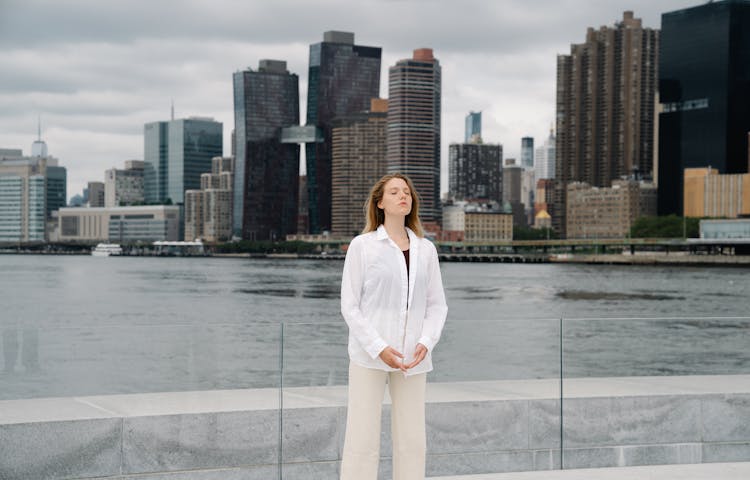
x=393, y=302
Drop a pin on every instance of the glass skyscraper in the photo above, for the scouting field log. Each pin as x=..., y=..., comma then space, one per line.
x=175, y=155
x=266, y=176
x=704, y=88
x=473, y=126
x=342, y=79
x=527, y=152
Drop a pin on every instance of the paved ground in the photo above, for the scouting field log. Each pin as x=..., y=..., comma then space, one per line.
x=703, y=471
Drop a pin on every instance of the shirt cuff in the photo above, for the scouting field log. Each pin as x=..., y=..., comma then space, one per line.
x=375, y=348
x=427, y=343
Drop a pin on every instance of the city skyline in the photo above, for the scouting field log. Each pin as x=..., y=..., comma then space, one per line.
x=97, y=73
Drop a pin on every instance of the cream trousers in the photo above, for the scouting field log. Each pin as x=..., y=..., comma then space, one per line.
x=362, y=442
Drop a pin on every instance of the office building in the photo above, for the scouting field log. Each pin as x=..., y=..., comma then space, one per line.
x=544, y=160
x=342, y=78
x=266, y=170
x=527, y=152
x=487, y=226
x=605, y=109
x=704, y=68
x=175, y=154
x=31, y=188
x=124, y=187
x=710, y=194
x=96, y=194
x=528, y=193
x=359, y=143
x=608, y=212
x=208, y=211
x=475, y=171
x=473, y=126
x=414, y=96
x=124, y=225
x=512, y=191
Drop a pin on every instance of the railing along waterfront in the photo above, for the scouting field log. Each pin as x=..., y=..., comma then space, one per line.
x=268, y=400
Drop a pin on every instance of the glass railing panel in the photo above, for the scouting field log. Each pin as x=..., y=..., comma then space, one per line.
x=159, y=398
x=492, y=398
x=640, y=391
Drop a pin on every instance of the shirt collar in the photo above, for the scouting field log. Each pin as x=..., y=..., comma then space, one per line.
x=382, y=234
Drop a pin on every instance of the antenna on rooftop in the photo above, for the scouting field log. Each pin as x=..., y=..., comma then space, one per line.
x=39, y=128
x=173, y=109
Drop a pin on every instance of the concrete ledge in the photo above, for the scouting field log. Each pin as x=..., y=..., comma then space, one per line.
x=472, y=428
x=723, y=471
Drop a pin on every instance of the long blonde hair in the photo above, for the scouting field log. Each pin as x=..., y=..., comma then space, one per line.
x=376, y=216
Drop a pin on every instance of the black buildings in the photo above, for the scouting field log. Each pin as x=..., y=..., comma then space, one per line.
x=266, y=170
x=476, y=172
x=342, y=79
x=704, y=87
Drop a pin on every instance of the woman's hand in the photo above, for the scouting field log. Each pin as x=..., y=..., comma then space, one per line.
x=419, y=353
x=393, y=358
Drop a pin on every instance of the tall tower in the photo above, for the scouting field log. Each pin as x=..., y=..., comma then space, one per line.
x=527, y=152
x=704, y=74
x=473, y=126
x=414, y=92
x=342, y=79
x=266, y=172
x=175, y=154
x=605, y=108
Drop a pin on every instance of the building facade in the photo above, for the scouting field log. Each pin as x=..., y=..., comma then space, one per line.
x=513, y=191
x=473, y=127
x=544, y=159
x=527, y=152
x=342, y=78
x=176, y=152
x=124, y=225
x=30, y=190
x=703, y=88
x=359, y=161
x=414, y=104
x=266, y=170
x=96, y=194
x=608, y=212
x=208, y=211
x=124, y=187
x=487, y=226
x=475, y=172
x=605, y=108
x=710, y=194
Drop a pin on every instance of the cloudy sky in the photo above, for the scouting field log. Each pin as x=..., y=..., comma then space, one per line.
x=97, y=70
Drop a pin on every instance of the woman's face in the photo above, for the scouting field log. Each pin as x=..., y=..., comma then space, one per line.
x=396, y=199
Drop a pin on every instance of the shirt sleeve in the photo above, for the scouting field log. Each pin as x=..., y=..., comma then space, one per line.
x=352, y=281
x=436, y=309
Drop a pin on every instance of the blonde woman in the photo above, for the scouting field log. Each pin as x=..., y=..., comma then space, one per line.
x=393, y=302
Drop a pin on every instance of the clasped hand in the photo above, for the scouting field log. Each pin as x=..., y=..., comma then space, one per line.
x=394, y=359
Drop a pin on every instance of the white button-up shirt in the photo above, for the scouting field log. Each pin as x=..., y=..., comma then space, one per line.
x=375, y=292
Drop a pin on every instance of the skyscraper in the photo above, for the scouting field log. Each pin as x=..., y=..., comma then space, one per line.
x=605, y=108
x=475, y=172
x=358, y=162
x=266, y=170
x=527, y=152
x=704, y=75
x=473, y=126
x=414, y=91
x=342, y=79
x=175, y=154
x=544, y=160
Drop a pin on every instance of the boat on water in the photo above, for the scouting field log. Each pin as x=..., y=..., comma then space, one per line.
x=106, y=250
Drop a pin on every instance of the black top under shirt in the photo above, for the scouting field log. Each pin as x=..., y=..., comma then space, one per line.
x=406, y=257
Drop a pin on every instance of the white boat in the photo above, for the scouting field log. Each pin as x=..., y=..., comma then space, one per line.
x=106, y=250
